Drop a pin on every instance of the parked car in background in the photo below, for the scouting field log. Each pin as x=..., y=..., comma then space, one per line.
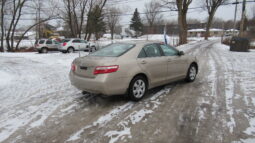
x=45, y=45
x=74, y=44
x=131, y=68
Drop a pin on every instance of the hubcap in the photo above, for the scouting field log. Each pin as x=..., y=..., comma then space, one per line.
x=139, y=88
x=44, y=50
x=192, y=73
x=70, y=50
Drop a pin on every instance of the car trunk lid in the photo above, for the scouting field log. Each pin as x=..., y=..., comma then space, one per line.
x=85, y=66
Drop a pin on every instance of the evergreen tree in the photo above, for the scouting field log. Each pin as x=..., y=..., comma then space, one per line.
x=96, y=24
x=136, y=23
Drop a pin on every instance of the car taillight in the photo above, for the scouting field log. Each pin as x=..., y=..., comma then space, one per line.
x=105, y=69
x=64, y=44
x=73, y=67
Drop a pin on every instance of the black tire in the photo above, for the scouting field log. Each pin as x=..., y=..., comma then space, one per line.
x=137, y=93
x=70, y=50
x=63, y=52
x=93, y=48
x=192, y=73
x=44, y=50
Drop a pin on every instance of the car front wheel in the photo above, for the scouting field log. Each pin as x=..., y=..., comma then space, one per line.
x=138, y=88
x=70, y=50
x=192, y=73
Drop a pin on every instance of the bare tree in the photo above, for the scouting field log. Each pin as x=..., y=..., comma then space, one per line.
x=112, y=19
x=182, y=7
x=211, y=6
x=2, y=25
x=152, y=12
x=16, y=8
x=75, y=11
x=15, y=11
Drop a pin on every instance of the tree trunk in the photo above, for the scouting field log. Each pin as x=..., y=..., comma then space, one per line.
x=183, y=27
x=209, y=23
x=2, y=26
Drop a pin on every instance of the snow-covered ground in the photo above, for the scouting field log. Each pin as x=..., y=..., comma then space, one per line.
x=38, y=104
x=23, y=43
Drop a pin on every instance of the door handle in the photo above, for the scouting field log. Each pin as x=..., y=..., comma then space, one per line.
x=143, y=62
x=169, y=60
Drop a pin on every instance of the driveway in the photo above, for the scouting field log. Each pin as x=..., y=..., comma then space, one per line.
x=38, y=104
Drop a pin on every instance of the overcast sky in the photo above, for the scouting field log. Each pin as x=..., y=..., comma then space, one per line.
x=128, y=7
x=224, y=12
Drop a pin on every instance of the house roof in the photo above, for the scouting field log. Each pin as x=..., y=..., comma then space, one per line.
x=203, y=30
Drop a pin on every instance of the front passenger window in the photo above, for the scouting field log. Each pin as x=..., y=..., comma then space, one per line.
x=152, y=51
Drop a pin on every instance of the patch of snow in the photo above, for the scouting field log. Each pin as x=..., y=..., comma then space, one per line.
x=137, y=116
x=103, y=119
x=250, y=130
x=77, y=135
x=249, y=140
x=117, y=135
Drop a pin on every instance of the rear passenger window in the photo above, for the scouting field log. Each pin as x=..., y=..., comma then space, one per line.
x=41, y=41
x=76, y=41
x=142, y=54
x=48, y=42
x=152, y=51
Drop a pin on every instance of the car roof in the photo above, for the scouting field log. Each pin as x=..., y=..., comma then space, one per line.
x=73, y=39
x=141, y=42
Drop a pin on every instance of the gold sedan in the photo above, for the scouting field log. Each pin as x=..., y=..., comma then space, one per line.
x=131, y=68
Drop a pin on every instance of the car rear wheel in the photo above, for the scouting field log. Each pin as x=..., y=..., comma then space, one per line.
x=192, y=73
x=93, y=49
x=44, y=50
x=138, y=88
x=70, y=50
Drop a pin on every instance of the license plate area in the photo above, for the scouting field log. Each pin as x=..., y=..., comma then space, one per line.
x=83, y=68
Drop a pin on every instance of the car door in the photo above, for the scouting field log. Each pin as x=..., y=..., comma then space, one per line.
x=177, y=65
x=153, y=64
x=50, y=44
x=76, y=44
x=83, y=44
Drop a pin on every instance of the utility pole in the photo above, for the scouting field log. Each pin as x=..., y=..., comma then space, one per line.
x=242, y=19
x=39, y=10
x=235, y=14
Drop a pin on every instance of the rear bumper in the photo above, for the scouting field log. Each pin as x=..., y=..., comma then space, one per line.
x=101, y=84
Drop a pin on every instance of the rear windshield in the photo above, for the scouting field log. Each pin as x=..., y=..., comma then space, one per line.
x=113, y=50
x=41, y=41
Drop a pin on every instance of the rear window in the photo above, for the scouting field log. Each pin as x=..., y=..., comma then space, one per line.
x=41, y=41
x=113, y=50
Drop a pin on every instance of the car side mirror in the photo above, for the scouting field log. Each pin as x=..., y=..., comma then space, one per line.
x=181, y=53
